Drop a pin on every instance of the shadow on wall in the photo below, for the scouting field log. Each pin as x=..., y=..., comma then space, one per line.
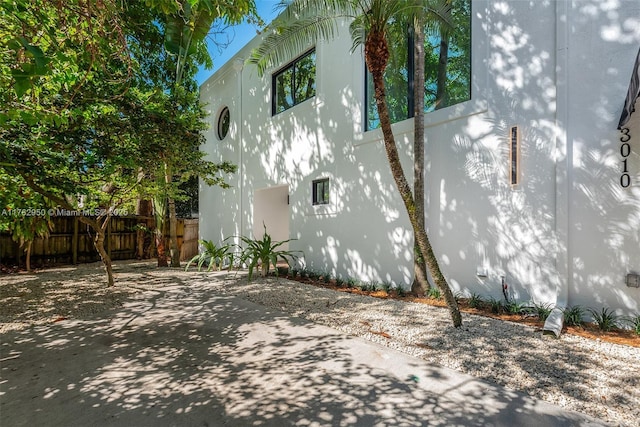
x=513, y=230
x=477, y=220
x=313, y=140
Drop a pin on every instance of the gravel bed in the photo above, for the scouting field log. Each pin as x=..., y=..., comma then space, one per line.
x=590, y=376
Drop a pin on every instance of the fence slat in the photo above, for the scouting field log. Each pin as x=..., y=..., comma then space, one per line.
x=72, y=241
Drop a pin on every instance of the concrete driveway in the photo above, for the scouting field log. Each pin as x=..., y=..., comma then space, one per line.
x=190, y=357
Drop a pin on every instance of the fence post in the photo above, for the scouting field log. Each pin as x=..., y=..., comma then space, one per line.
x=74, y=241
x=109, y=237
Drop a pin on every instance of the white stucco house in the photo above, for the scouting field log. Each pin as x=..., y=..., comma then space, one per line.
x=528, y=176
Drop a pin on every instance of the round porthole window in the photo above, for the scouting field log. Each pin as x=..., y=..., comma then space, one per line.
x=224, y=119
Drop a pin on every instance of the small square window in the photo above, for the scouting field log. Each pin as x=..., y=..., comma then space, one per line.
x=320, y=188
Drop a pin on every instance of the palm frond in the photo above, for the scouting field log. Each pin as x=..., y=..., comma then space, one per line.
x=437, y=18
x=298, y=28
x=300, y=8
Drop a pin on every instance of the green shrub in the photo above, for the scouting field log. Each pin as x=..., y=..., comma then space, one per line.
x=475, y=301
x=434, y=293
x=605, y=319
x=515, y=307
x=573, y=315
x=387, y=286
x=212, y=256
x=542, y=310
x=634, y=322
x=496, y=305
x=352, y=283
x=370, y=286
x=264, y=252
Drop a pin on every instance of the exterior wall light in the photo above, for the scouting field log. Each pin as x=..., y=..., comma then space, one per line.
x=633, y=280
x=514, y=155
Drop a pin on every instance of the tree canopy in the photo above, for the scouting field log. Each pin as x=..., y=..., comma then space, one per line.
x=89, y=104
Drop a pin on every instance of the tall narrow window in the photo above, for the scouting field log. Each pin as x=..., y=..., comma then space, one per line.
x=397, y=79
x=514, y=155
x=320, y=190
x=294, y=83
x=447, y=68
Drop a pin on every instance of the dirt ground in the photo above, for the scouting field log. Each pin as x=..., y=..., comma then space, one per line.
x=30, y=299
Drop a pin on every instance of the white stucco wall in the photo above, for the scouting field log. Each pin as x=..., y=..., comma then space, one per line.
x=558, y=70
x=604, y=241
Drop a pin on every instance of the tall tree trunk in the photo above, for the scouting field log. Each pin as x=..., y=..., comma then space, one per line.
x=376, y=56
x=420, y=281
x=161, y=252
x=98, y=242
x=29, y=245
x=441, y=84
x=159, y=211
x=174, y=253
x=144, y=208
x=173, y=221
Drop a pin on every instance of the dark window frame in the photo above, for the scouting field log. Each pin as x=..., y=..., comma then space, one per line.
x=410, y=76
x=290, y=66
x=318, y=197
x=222, y=128
x=514, y=156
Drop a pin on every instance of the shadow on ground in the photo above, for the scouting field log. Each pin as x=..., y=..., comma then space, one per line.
x=188, y=356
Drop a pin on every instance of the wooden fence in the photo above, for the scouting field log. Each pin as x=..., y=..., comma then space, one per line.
x=71, y=241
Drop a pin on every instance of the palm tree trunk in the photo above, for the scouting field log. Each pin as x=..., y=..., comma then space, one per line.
x=376, y=56
x=420, y=281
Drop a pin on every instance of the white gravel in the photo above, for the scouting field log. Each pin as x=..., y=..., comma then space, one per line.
x=594, y=377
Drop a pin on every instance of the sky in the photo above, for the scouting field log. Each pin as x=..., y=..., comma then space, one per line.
x=239, y=36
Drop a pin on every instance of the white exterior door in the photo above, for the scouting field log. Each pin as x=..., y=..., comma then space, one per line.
x=271, y=209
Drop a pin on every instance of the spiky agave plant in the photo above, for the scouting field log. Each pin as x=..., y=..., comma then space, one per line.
x=212, y=255
x=606, y=319
x=265, y=253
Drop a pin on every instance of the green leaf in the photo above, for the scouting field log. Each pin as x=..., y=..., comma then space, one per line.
x=22, y=83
